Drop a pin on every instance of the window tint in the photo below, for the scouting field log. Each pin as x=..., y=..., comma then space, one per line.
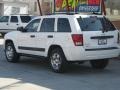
x=14, y=19
x=4, y=19
x=63, y=25
x=47, y=25
x=107, y=25
x=90, y=24
x=95, y=24
x=25, y=19
x=33, y=26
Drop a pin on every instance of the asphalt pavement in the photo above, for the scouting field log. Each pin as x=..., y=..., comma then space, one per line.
x=35, y=74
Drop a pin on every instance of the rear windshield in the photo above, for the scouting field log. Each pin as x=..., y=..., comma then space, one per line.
x=25, y=19
x=95, y=24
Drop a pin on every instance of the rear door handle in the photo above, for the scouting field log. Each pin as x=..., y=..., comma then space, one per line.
x=32, y=36
x=50, y=36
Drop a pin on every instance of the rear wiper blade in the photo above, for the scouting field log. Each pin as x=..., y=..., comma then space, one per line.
x=84, y=24
x=105, y=25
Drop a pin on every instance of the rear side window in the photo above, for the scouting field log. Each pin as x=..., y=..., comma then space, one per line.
x=63, y=25
x=4, y=18
x=14, y=19
x=25, y=19
x=47, y=25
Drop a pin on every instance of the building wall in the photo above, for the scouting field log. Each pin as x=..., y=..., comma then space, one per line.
x=13, y=7
x=45, y=6
x=1, y=9
x=113, y=7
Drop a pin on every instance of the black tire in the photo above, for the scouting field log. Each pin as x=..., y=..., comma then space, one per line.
x=81, y=62
x=99, y=64
x=57, y=56
x=14, y=58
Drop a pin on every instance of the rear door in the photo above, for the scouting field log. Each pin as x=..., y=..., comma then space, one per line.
x=25, y=20
x=14, y=23
x=46, y=35
x=98, y=33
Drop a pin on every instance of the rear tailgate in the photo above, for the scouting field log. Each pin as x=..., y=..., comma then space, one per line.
x=100, y=41
x=98, y=33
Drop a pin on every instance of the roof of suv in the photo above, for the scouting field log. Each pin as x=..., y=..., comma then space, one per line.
x=18, y=15
x=67, y=16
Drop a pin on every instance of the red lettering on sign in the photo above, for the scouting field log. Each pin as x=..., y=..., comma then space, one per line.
x=59, y=3
x=94, y=2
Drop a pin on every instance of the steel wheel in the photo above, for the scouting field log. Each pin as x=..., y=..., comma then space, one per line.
x=57, y=60
x=10, y=53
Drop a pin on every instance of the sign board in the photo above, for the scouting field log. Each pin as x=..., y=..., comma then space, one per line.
x=78, y=5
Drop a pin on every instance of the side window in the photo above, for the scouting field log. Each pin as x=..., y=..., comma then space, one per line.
x=4, y=19
x=33, y=26
x=14, y=19
x=47, y=25
x=25, y=19
x=63, y=25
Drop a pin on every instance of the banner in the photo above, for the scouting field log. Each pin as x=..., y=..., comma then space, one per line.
x=78, y=5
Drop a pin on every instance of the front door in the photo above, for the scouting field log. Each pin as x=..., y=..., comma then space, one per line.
x=28, y=40
x=4, y=23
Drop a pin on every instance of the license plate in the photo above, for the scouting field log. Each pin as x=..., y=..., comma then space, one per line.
x=102, y=41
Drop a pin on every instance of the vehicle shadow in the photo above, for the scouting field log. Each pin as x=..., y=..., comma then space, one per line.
x=36, y=71
x=73, y=68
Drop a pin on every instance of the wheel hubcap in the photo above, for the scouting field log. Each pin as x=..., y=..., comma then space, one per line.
x=9, y=52
x=56, y=61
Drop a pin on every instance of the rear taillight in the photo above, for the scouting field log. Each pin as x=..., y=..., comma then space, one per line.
x=77, y=39
x=118, y=41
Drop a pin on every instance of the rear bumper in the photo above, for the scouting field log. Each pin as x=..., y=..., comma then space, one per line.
x=79, y=54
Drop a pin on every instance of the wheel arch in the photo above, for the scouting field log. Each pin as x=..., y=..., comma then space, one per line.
x=54, y=47
x=15, y=55
x=8, y=41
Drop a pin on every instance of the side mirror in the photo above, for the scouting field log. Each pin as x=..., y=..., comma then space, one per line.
x=21, y=29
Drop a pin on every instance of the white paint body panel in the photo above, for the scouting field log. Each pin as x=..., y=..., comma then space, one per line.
x=6, y=27
x=64, y=40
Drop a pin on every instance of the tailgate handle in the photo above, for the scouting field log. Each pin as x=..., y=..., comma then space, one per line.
x=102, y=37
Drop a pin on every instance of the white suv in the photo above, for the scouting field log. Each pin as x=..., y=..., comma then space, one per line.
x=11, y=22
x=65, y=38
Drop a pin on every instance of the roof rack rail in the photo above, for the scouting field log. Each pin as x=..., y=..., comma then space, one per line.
x=19, y=14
